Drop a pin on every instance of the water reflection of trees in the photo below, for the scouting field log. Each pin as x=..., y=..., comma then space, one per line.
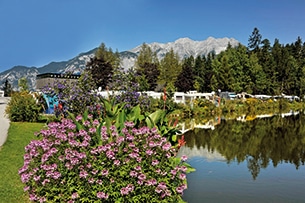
x=258, y=142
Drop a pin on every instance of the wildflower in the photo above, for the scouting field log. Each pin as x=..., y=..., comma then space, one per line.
x=162, y=186
x=158, y=190
x=139, y=159
x=133, y=173
x=94, y=171
x=166, y=146
x=78, y=118
x=102, y=195
x=182, y=176
x=33, y=197
x=83, y=174
x=155, y=162
x=86, y=123
x=173, y=172
x=183, y=169
x=90, y=116
x=26, y=188
x=151, y=182
x=105, y=172
x=149, y=152
x=92, y=130
x=42, y=199
x=99, y=181
x=95, y=122
x=140, y=182
x=112, y=128
x=129, y=124
x=91, y=180
x=142, y=177
x=151, y=144
x=110, y=154
x=116, y=162
x=45, y=182
x=133, y=155
x=124, y=191
x=74, y=195
x=183, y=157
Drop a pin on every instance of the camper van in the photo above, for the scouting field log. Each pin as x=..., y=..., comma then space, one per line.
x=227, y=95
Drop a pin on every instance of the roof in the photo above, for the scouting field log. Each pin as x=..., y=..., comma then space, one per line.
x=57, y=75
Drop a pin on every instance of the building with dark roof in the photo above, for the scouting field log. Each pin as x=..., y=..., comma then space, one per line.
x=48, y=79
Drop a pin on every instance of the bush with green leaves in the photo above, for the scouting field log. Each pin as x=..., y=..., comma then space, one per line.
x=82, y=160
x=23, y=107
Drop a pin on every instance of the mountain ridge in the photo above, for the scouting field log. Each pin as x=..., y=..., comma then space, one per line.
x=184, y=47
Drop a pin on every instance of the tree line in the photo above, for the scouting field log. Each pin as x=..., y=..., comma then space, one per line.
x=259, y=68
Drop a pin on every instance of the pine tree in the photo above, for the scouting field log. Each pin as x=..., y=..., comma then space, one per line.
x=170, y=68
x=199, y=70
x=7, y=89
x=101, y=71
x=23, y=84
x=266, y=60
x=147, y=68
x=208, y=73
x=102, y=66
x=254, y=40
x=185, y=80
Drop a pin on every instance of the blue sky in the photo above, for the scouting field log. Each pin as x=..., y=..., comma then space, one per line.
x=36, y=32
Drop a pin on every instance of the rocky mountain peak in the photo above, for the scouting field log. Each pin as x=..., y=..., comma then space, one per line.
x=184, y=47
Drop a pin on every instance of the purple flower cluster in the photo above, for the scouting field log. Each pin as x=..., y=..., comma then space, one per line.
x=102, y=195
x=127, y=162
x=126, y=190
x=75, y=97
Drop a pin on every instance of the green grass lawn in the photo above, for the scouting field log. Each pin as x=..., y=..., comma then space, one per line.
x=11, y=159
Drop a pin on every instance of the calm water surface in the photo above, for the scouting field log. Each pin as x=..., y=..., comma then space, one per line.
x=255, y=161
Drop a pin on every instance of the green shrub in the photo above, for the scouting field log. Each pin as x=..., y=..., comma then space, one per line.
x=23, y=107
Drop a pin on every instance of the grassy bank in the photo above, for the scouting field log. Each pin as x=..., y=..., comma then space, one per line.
x=11, y=159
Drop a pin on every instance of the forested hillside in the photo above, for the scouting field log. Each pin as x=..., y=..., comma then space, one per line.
x=258, y=68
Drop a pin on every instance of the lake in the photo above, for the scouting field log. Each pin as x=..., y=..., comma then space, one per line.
x=255, y=159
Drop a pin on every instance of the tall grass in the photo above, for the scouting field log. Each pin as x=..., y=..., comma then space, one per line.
x=11, y=159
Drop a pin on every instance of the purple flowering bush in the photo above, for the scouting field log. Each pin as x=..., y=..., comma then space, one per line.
x=126, y=83
x=76, y=97
x=84, y=161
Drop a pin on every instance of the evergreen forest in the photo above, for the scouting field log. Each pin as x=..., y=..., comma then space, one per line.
x=258, y=68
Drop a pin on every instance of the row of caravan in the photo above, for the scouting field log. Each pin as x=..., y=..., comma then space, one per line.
x=178, y=97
